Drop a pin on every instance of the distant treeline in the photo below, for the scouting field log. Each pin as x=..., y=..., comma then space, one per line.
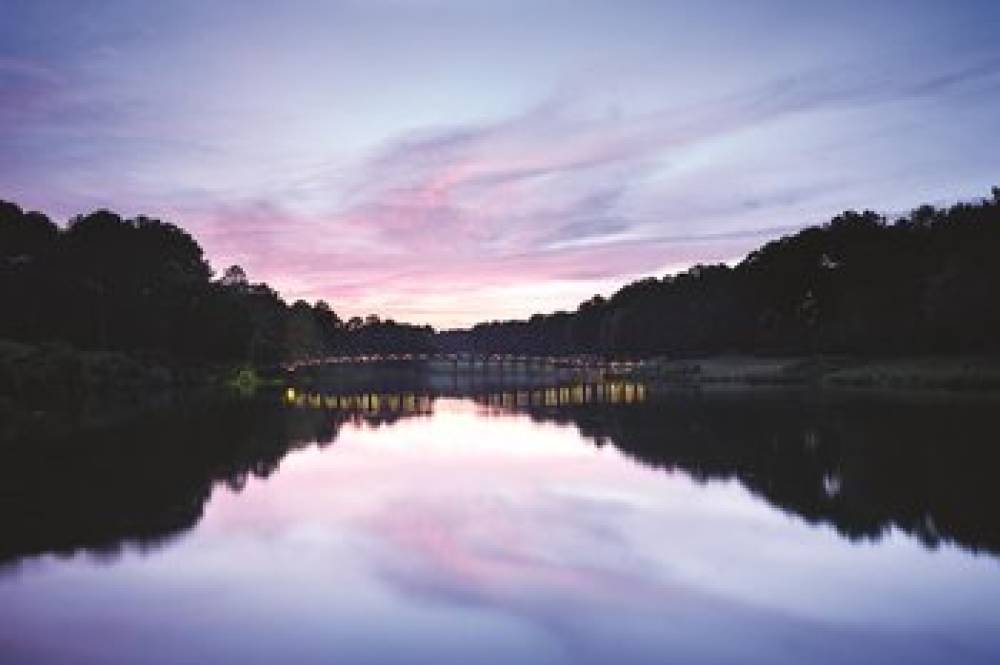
x=143, y=287
x=860, y=284
x=928, y=282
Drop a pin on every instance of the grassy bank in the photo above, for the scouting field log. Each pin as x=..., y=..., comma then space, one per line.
x=42, y=386
x=928, y=373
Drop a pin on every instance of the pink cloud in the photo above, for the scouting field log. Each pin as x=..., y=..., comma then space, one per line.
x=505, y=219
x=457, y=218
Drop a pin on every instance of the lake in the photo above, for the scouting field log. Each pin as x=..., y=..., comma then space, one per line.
x=597, y=523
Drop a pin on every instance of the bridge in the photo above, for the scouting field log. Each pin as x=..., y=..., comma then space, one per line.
x=465, y=362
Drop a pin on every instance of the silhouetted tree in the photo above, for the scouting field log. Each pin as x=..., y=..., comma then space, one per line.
x=859, y=284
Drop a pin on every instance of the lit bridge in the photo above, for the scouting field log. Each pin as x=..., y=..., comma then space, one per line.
x=476, y=362
x=416, y=402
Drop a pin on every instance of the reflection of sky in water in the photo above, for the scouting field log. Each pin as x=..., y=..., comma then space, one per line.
x=462, y=538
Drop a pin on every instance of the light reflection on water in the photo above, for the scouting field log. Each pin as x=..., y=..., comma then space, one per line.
x=475, y=531
x=577, y=394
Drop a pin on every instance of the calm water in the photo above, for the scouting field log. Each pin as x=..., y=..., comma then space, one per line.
x=575, y=526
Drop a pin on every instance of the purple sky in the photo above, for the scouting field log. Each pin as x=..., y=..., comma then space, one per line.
x=446, y=162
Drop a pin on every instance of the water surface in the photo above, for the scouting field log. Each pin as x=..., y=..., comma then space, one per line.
x=510, y=526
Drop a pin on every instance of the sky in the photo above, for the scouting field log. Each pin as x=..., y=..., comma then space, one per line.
x=447, y=162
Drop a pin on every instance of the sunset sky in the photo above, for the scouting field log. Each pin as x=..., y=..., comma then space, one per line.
x=446, y=162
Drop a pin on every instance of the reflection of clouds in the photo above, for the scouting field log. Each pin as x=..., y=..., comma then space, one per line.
x=475, y=536
x=563, y=565
x=496, y=520
x=497, y=548
x=530, y=561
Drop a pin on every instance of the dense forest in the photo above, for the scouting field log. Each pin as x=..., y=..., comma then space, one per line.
x=862, y=284
x=143, y=287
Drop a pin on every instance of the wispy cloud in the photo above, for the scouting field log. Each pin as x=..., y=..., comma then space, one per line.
x=551, y=194
x=395, y=173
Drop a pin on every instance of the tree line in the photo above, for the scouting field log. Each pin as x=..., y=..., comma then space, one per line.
x=926, y=282
x=862, y=284
x=143, y=287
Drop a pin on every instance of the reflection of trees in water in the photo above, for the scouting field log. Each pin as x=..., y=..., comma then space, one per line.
x=148, y=481
x=864, y=467
x=927, y=470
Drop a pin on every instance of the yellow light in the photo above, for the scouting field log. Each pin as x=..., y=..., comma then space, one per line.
x=290, y=395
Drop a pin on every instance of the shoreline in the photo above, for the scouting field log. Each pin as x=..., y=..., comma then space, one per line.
x=48, y=384
x=930, y=373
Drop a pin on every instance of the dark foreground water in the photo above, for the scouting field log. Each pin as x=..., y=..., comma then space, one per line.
x=599, y=524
